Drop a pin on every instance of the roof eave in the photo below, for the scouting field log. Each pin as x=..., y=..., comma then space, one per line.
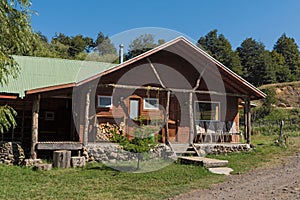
x=229, y=71
x=50, y=88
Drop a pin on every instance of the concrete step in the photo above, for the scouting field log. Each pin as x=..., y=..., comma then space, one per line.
x=201, y=161
x=220, y=170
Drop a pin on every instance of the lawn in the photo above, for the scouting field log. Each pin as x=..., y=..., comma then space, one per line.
x=97, y=181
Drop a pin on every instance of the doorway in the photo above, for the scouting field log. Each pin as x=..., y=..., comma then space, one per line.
x=134, y=108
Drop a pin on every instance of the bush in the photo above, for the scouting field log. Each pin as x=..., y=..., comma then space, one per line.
x=142, y=142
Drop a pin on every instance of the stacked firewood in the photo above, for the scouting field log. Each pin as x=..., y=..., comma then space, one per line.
x=106, y=130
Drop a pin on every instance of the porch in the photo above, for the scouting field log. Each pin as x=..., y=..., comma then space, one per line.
x=56, y=145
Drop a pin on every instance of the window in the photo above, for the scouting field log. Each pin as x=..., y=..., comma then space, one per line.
x=209, y=111
x=151, y=104
x=49, y=116
x=104, y=101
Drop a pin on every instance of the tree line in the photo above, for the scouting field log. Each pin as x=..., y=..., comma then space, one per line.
x=251, y=59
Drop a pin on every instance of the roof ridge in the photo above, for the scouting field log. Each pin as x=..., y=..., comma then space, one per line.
x=60, y=59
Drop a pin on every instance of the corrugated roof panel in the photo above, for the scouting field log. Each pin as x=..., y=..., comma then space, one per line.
x=38, y=72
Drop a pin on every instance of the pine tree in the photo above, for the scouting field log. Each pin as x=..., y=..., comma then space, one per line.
x=288, y=48
x=256, y=62
x=220, y=48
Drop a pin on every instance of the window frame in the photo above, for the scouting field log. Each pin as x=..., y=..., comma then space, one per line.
x=152, y=108
x=208, y=102
x=104, y=106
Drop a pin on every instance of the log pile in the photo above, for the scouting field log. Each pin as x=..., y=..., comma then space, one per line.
x=11, y=153
x=106, y=130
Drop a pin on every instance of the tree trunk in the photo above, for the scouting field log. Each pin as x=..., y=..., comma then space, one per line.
x=86, y=118
x=167, y=117
x=34, y=128
x=191, y=110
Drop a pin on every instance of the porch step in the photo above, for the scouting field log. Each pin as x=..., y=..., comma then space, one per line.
x=201, y=161
x=184, y=149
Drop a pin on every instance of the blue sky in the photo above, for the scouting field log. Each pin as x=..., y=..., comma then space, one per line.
x=263, y=20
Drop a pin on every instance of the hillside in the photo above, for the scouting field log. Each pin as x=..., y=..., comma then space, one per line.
x=287, y=94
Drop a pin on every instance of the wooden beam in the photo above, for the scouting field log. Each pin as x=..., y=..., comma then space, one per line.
x=86, y=118
x=191, y=110
x=22, y=125
x=247, y=115
x=245, y=122
x=50, y=88
x=7, y=96
x=249, y=123
x=58, y=146
x=167, y=117
x=156, y=73
x=171, y=89
x=35, y=125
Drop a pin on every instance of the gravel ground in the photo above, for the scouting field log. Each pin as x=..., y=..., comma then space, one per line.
x=277, y=182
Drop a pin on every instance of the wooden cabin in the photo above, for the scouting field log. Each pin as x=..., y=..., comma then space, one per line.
x=177, y=87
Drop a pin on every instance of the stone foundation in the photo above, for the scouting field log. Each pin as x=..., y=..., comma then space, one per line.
x=206, y=149
x=112, y=153
x=11, y=153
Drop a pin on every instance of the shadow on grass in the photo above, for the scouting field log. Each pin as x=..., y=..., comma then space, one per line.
x=103, y=167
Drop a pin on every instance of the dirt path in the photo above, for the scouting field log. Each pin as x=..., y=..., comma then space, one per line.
x=278, y=182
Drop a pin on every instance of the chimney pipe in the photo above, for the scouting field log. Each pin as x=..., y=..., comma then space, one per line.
x=121, y=53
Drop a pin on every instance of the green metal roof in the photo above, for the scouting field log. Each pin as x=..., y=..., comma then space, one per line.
x=40, y=72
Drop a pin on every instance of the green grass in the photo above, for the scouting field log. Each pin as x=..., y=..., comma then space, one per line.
x=97, y=181
x=265, y=153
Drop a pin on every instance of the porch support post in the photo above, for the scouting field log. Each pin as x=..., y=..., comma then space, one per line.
x=35, y=126
x=247, y=115
x=245, y=121
x=167, y=117
x=191, y=110
x=86, y=118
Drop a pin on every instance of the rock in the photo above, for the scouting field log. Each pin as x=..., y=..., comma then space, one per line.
x=32, y=162
x=7, y=162
x=278, y=91
x=202, y=152
x=113, y=161
x=78, y=161
x=43, y=166
x=282, y=105
x=91, y=159
x=113, y=155
x=220, y=170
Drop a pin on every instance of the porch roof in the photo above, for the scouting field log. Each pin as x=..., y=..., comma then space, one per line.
x=40, y=72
